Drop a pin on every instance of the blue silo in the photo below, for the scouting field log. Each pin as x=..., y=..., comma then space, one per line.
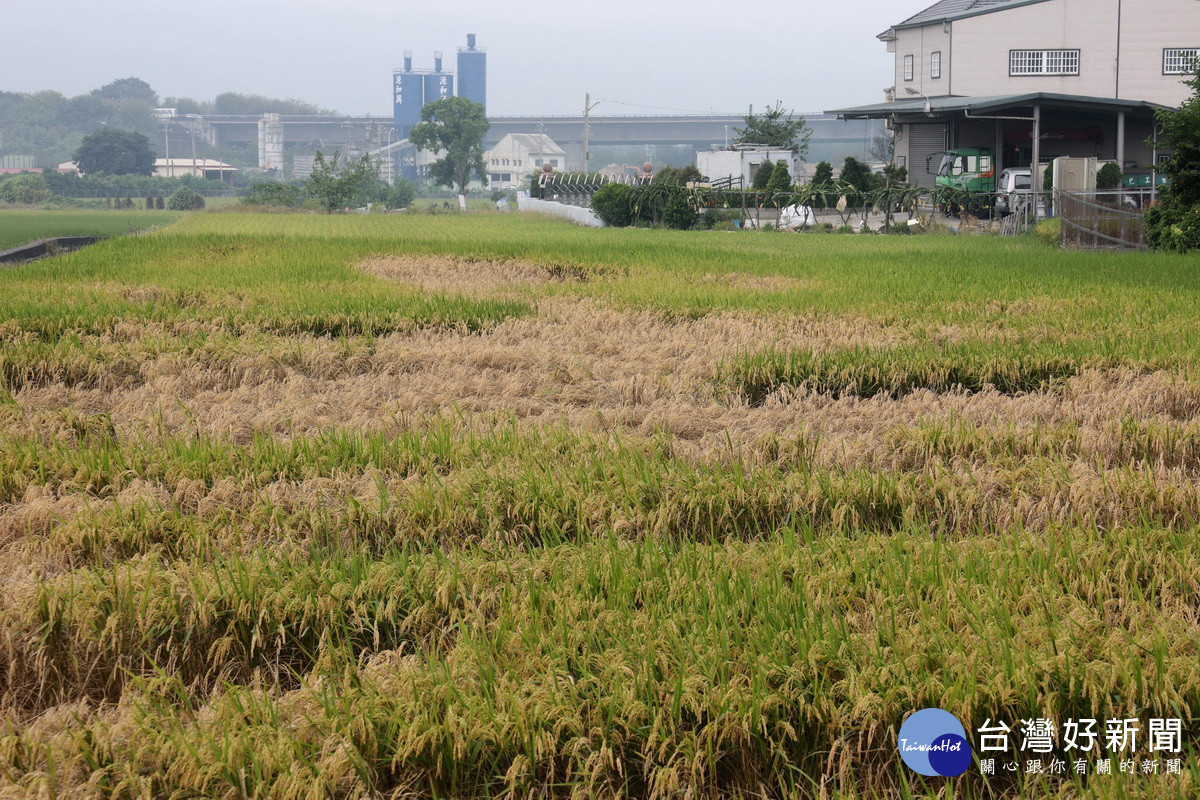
x=472, y=72
x=408, y=95
x=438, y=84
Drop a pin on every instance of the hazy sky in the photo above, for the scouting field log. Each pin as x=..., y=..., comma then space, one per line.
x=543, y=56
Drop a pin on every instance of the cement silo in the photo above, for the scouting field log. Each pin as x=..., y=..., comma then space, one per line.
x=408, y=95
x=439, y=84
x=472, y=72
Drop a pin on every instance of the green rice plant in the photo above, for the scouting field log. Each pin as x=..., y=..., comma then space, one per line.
x=895, y=372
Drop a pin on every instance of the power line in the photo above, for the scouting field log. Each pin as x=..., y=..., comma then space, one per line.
x=658, y=108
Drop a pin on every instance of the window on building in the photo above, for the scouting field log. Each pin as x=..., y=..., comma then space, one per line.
x=935, y=64
x=908, y=68
x=1043, y=62
x=1180, y=60
x=506, y=177
x=554, y=162
x=495, y=176
x=537, y=162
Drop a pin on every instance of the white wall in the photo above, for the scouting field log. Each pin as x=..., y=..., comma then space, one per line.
x=921, y=43
x=720, y=164
x=580, y=216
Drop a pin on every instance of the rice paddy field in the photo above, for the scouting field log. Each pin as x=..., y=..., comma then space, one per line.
x=20, y=227
x=491, y=506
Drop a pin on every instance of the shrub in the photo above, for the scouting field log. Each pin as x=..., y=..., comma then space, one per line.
x=185, y=199
x=1174, y=227
x=611, y=203
x=678, y=213
x=1109, y=177
x=402, y=194
x=720, y=218
x=160, y=202
x=26, y=188
x=273, y=194
x=1049, y=231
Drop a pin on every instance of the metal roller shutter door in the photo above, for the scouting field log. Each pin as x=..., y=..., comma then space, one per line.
x=923, y=141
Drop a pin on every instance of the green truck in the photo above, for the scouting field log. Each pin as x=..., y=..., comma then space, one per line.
x=968, y=169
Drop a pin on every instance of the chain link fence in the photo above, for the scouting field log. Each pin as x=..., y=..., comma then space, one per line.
x=1112, y=220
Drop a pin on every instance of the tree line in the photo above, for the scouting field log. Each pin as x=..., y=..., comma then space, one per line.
x=50, y=126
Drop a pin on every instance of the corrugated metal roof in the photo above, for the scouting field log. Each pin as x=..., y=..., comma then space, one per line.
x=956, y=9
x=951, y=104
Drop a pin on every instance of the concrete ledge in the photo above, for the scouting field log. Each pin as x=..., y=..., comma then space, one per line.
x=580, y=216
x=45, y=247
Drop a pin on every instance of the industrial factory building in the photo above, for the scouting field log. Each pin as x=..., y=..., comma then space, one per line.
x=287, y=142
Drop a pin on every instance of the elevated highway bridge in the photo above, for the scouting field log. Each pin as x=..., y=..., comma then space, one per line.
x=829, y=134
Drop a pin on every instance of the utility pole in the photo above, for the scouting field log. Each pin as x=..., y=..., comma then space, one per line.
x=588, y=105
x=192, y=129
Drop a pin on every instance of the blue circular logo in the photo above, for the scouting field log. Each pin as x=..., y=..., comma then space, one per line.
x=933, y=743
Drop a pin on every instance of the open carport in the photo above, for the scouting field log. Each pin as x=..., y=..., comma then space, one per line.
x=1019, y=129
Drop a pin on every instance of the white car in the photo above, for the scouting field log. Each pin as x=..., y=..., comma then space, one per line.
x=1012, y=184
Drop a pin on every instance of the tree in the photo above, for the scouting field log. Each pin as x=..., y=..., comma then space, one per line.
x=780, y=181
x=335, y=184
x=402, y=194
x=823, y=178
x=112, y=151
x=235, y=103
x=679, y=176
x=127, y=89
x=857, y=175
x=26, y=188
x=775, y=128
x=1174, y=224
x=883, y=147
x=454, y=126
x=1180, y=133
x=762, y=176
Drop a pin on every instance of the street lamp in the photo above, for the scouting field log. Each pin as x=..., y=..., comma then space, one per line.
x=928, y=107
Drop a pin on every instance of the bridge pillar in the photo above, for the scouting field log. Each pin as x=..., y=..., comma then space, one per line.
x=270, y=143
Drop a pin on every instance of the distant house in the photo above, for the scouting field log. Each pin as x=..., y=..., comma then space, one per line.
x=519, y=154
x=208, y=168
x=742, y=161
x=19, y=170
